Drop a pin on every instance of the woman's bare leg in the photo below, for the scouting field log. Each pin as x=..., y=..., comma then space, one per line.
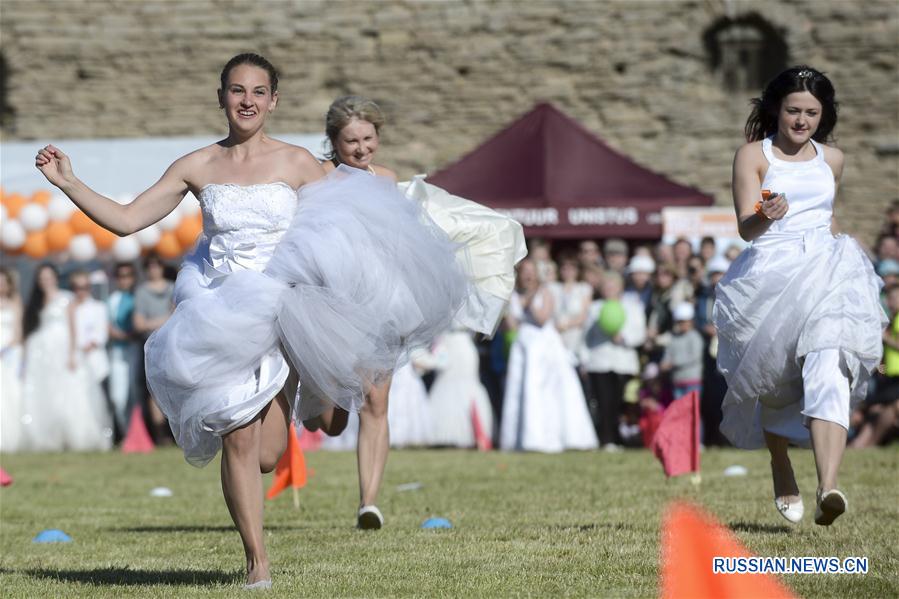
x=246, y=452
x=242, y=487
x=374, y=443
x=828, y=444
x=785, y=486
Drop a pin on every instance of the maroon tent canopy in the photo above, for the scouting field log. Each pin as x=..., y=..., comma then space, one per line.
x=560, y=181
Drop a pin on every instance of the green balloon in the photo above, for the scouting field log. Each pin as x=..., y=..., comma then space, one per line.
x=611, y=317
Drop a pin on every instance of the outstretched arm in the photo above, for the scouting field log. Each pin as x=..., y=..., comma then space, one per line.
x=148, y=208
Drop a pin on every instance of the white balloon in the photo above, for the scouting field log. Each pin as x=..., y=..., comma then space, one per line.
x=171, y=220
x=82, y=248
x=33, y=217
x=60, y=208
x=149, y=237
x=190, y=206
x=12, y=234
x=126, y=249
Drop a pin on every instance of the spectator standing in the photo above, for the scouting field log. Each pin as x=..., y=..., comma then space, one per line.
x=10, y=363
x=152, y=307
x=124, y=351
x=683, y=355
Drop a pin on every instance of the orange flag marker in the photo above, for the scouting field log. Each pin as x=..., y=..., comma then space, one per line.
x=691, y=540
x=290, y=470
x=138, y=439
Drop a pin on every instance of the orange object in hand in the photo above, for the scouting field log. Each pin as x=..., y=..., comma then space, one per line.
x=766, y=193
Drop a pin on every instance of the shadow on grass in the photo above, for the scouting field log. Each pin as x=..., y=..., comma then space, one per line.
x=196, y=529
x=756, y=527
x=129, y=577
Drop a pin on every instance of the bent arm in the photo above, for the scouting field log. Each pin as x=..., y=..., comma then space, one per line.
x=149, y=207
x=746, y=187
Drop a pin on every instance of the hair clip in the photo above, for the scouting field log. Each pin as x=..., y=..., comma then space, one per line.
x=805, y=74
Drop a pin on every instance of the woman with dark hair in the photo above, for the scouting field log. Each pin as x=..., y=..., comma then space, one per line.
x=63, y=405
x=317, y=287
x=797, y=313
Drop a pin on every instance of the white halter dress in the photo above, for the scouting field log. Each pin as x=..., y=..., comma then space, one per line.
x=798, y=315
x=334, y=287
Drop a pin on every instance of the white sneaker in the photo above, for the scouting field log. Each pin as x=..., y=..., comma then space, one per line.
x=369, y=518
x=791, y=511
x=831, y=505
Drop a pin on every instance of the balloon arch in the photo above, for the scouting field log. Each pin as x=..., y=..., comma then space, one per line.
x=47, y=225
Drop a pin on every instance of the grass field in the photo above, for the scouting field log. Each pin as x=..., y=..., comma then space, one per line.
x=577, y=524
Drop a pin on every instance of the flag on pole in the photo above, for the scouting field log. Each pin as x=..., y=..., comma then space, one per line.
x=290, y=470
x=691, y=541
x=676, y=441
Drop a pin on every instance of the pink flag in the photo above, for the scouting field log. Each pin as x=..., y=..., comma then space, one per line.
x=5, y=479
x=676, y=442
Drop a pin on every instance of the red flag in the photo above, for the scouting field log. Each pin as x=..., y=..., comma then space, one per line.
x=291, y=468
x=691, y=541
x=676, y=442
x=5, y=479
x=138, y=439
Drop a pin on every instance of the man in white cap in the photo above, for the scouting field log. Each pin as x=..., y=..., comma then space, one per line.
x=639, y=273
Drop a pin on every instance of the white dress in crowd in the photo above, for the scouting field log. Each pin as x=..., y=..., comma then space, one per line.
x=333, y=289
x=570, y=303
x=92, y=328
x=798, y=315
x=544, y=407
x=457, y=397
x=10, y=382
x=63, y=409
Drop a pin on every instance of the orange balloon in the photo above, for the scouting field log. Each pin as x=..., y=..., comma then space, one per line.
x=168, y=247
x=41, y=197
x=188, y=230
x=14, y=203
x=103, y=238
x=36, y=245
x=59, y=235
x=80, y=222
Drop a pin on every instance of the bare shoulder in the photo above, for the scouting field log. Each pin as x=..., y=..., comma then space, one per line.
x=328, y=166
x=834, y=158
x=750, y=153
x=383, y=171
x=301, y=161
x=192, y=164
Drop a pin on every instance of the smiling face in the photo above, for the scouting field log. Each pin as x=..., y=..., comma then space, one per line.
x=799, y=117
x=357, y=143
x=247, y=98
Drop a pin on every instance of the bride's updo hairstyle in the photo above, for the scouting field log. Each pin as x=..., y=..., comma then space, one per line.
x=341, y=112
x=762, y=122
x=255, y=60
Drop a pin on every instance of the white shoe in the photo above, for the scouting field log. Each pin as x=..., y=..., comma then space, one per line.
x=791, y=511
x=831, y=505
x=262, y=585
x=369, y=518
x=611, y=448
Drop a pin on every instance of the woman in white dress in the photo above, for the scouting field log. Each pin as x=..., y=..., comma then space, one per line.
x=461, y=414
x=489, y=246
x=572, y=300
x=321, y=281
x=544, y=407
x=10, y=363
x=798, y=316
x=63, y=405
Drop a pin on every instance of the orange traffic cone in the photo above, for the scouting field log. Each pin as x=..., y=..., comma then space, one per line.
x=290, y=470
x=691, y=539
x=138, y=439
x=481, y=437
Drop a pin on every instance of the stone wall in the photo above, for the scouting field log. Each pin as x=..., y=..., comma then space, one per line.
x=451, y=73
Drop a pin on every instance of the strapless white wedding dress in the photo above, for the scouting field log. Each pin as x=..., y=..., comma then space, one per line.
x=334, y=287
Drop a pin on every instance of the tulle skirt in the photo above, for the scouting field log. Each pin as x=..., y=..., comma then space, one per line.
x=361, y=277
x=784, y=297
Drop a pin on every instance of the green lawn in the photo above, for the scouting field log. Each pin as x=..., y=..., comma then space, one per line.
x=582, y=524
